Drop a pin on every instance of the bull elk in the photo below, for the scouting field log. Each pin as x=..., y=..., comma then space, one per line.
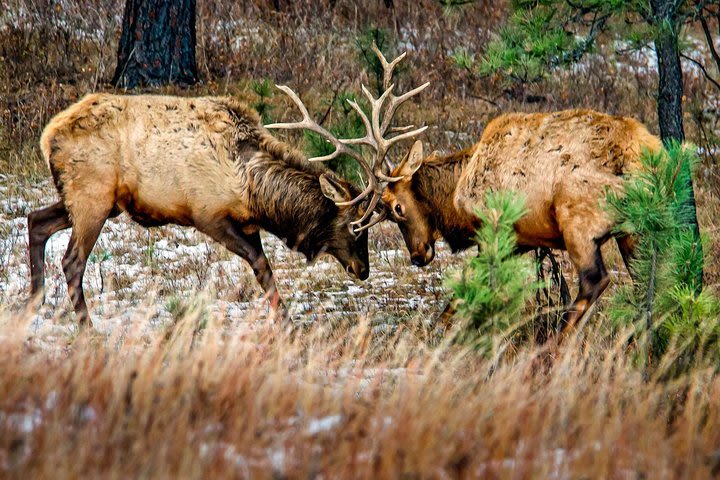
x=562, y=162
x=207, y=163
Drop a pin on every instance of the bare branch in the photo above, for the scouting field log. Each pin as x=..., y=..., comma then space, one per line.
x=709, y=39
x=702, y=69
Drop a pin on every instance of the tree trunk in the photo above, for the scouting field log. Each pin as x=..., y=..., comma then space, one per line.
x=157, y=45
x=670, y=91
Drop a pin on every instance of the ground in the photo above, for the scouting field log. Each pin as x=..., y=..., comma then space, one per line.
x=185, y=377
x=157, y=272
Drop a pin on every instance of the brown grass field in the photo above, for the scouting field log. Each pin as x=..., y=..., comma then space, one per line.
x=186, y=377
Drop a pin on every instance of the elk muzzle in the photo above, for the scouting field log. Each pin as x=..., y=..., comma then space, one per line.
x=358, y=269
x=423, y=254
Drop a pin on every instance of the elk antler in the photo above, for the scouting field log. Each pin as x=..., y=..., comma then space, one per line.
x=376, y=128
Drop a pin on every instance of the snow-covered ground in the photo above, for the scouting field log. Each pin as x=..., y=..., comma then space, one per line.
x=135, y=271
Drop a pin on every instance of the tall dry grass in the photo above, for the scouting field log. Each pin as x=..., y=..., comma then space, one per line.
x=200, y=401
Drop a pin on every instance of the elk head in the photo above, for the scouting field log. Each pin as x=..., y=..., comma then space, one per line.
x=412, y=216
x=377, y=128
x=345, y=243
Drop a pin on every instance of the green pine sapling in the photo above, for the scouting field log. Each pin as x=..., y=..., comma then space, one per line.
x=493, y=287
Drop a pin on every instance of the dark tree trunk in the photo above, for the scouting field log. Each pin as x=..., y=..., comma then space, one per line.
x=157, y=45
x=670, y=89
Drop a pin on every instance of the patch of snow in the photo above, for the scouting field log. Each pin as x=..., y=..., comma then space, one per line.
x=277, y=459
x=317, y=425
x=24, y=422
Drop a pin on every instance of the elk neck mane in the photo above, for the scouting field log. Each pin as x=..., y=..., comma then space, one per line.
x=286, y=195
x=249, y=126
x=434, y=185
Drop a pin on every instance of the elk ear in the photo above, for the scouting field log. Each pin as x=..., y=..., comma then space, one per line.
x=334, y=189
x=411, y=162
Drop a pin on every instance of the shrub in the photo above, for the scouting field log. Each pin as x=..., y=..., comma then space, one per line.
x=493, y=287
x=670, y=314
x=264, y=91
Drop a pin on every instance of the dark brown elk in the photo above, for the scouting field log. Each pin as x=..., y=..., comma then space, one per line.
x=563, y=163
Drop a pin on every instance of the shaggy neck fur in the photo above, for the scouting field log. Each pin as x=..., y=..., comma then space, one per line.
x=287, y=201
x=434, y=185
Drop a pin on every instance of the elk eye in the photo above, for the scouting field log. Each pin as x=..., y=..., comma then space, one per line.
x=398, y=210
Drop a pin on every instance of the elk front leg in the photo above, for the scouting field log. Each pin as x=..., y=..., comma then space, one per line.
x=249, y=247
x=42, y=224
x=627, y=244
x=263, y=273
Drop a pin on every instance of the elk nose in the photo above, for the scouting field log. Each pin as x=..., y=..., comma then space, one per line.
x=418, y=260
x=359, y=270
x=423, y=255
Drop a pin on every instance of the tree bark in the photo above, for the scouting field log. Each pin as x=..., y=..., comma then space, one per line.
x=670, y=91
x=157, y=45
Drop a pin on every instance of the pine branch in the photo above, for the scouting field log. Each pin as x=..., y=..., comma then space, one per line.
x=711, y=44
x=702, y=69
x=587, y=43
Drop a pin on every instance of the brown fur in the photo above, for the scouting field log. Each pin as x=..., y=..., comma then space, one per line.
x=203, y=162
x=561, y=162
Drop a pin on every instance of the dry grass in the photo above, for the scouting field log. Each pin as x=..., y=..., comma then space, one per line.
x=340, y=403
x=199, y=385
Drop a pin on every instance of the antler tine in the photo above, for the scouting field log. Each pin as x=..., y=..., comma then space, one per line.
x=367, y=139
x=308, y=123
x=340, y=145
x=381, y=176
x=368, y=212
x=395, y=102
x=380, y=128
x=388, y=67
x=379, y=218
x=301, y=106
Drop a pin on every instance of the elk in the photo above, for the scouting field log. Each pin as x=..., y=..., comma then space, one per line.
x=207, y=163
x=562, y=162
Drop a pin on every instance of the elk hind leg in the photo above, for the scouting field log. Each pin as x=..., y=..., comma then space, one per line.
x=42, y=224
x=627, y=245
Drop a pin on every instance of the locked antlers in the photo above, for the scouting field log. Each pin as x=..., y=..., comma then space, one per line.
x=382, y=110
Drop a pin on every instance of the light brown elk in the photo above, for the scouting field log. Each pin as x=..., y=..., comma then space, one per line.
x=563, y=163
x=207, y=163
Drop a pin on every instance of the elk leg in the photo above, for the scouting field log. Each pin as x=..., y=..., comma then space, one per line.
x=627, y=244
x=263, y=273
x=444, y=320
x=42, y=224
x=249, y=247
x=594, y=280
x=85, y=234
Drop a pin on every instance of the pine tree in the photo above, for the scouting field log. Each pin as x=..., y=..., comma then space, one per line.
x=157, y=44
x=669, y=311
x=493, y=287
